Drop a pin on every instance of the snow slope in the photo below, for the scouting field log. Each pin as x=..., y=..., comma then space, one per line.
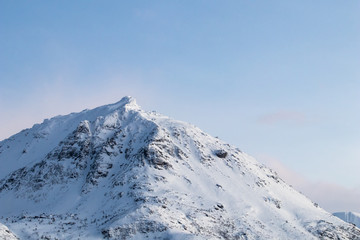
x=118, y=172
x=6, y=234
x=350, y=217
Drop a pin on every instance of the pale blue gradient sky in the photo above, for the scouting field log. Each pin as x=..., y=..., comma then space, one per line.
x=279, y=79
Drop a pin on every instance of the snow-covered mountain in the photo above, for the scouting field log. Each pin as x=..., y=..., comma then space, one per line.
x=118, y=172
x=350, y=217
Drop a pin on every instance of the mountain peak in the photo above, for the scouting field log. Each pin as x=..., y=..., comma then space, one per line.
x=126, y=102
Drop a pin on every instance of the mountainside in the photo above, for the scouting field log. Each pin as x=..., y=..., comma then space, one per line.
x=350, y=217
x=6, y=234
x=118, y=172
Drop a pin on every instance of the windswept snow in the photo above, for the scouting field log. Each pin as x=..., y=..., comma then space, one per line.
x=118, y=172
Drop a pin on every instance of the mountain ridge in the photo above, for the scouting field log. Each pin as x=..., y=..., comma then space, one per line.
x=118, y=172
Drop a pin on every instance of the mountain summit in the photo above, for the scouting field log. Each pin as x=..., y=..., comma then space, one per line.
x=118, y=172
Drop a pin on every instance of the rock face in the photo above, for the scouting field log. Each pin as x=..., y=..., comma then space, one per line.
x=118, y=172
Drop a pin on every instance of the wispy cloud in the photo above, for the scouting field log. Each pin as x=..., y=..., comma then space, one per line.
x=283, y=116
x=330, y=196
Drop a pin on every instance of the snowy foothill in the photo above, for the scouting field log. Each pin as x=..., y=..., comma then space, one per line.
x=350, y=217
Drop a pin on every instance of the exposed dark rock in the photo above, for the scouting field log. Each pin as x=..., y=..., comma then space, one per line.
x=221, y=153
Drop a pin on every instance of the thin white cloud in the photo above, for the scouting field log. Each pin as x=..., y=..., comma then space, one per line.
x=283, y=116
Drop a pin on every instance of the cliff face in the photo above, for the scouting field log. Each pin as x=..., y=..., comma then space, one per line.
x=119, y=172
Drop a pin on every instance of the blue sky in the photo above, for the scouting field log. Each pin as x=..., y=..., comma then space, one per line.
x=279, y=79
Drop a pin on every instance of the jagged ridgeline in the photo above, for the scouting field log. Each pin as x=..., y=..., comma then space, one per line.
x=118, y=172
